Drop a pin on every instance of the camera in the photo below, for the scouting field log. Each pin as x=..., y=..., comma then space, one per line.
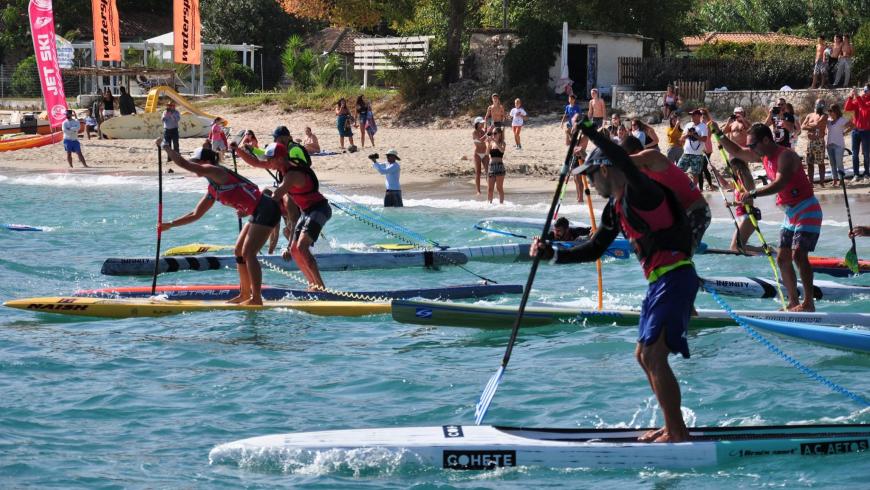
x=775, y=111
x=374, y=156
x=732, y=117
x=692, y=134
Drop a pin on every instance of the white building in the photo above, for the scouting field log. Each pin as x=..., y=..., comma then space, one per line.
x=593, y=59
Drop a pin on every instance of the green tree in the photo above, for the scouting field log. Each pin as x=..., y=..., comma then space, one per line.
x=25, y=79
x=861, y=43
x=299, y=62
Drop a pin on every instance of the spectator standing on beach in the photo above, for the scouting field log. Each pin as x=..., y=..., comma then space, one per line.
x=518, y=118
x=371, y=126
x=495, y=176
x=781, y=122
x=481, y=151
x=496, y=112
x=693, y=140
x=860, y=105
x=837, y=127
x=391, y=172
x=834, y=59
x=816, y=125
x=71, y=144
x=670, y=102
x=737, y=126
x=571, y=110
x=675, y=132
x=250, y=139
x=310, y=142
x=108, y=104
x=597, y=109
x=344, y=124
x=90, y=124
x=362, y=113
x=125, y=103
x=793, y=137
x=171, y=118
x=708, y=152
x=646, y=134
x=844, y=65
x=218, y=138
x=612, y=131
x=820, y=66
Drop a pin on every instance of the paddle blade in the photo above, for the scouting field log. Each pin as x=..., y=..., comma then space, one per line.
x=486, y=396
x=852, y=260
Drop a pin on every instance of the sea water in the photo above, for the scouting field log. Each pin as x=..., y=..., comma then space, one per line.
x=138, y=403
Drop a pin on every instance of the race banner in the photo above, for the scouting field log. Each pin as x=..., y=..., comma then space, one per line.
x=187, y=45
x=107, y=32
x=42, y=29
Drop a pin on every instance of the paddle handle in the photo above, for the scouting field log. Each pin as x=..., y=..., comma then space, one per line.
x=159, y=218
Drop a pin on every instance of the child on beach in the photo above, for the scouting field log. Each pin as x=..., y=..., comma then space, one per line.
x=218, y=138
x=481, y=153
x=518, y=118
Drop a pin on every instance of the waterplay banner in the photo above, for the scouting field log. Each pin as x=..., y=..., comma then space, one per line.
x=107, y=32
x=188, y=45
x=42, y=29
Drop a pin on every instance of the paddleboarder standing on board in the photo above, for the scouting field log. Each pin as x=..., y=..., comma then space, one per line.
x=299, y=182
x=794, y=193
x=651, y=217
x=231, y=189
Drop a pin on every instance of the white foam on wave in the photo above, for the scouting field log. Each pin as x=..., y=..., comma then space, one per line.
x=357, y=462
x=171, y=182
x=539, y=209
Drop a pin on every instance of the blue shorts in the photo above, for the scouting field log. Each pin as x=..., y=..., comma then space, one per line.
x=668, y=305
x=72, y=146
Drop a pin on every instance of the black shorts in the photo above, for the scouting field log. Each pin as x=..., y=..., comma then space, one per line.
x=312, y=220
x=267, y=212
x=393, y=199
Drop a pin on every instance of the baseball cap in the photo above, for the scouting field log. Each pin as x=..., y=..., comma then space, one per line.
x=478, y=120
x=739, y=109
x=280, y=131
x=595, y=159
x=393, y=153
x=273, y=149
x=696, y=111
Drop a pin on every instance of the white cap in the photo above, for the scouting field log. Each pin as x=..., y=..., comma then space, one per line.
x=478, y=120
x=197, y=154
x=739, y=109
x=394, y=153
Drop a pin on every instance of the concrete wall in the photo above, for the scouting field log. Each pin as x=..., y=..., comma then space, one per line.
x=648, y=103
x=610, y=48
x=485, y=62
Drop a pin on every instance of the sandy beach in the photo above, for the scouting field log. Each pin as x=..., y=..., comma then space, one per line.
x=436, y=159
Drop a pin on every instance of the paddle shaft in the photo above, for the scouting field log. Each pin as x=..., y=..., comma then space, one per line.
x=537, y=259
x=740, y=243
x=848, y=211
x=748, y=209
x=236, y=170
x=159, y=218
x=594, y=226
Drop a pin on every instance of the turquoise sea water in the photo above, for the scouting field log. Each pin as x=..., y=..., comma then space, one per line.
x=139, y=403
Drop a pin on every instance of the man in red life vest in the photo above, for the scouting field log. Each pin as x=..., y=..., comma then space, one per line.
x=651, y=217
x=231, y=189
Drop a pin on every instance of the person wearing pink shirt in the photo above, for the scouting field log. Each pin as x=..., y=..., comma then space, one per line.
x=218, y=138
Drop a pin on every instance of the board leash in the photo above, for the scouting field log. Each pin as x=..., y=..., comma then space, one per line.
x=806, y=370
x=764, y=245
x=345, y=294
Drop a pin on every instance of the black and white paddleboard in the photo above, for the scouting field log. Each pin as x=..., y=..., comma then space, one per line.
x=756, y=287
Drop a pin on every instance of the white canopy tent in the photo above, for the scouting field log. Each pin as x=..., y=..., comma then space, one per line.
x=162, y=46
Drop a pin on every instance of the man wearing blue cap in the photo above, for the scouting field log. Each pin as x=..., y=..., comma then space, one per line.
x=650, y=216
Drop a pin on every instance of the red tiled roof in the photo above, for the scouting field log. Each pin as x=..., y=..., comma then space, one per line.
x=694, y=42
x=333, y=39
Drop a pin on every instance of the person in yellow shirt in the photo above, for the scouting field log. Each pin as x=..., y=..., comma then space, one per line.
x=675, y=131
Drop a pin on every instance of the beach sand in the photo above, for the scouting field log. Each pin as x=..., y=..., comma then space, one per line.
x=436, y=159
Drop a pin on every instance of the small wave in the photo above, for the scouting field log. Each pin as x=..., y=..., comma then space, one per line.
x=357, y=462
x=171, y=183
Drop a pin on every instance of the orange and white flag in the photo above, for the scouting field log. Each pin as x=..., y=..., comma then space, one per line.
x=107, y=33
x=186, y=27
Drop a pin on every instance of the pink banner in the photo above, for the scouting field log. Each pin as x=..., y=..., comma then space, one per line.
x=42, y=29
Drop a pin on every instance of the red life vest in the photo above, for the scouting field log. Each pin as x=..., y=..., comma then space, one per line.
x=797, y=189
x=308, y=195
x=239, y=192
x=677, y=181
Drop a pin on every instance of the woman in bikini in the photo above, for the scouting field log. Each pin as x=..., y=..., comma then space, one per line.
x=670, y=102
x=481, y=155
x=495, y=176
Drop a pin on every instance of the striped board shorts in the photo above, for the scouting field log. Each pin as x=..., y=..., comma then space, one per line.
x=802, y=225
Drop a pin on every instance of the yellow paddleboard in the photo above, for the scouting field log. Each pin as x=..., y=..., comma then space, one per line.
x=394, y=246
x=196, y=249
x=143, y=307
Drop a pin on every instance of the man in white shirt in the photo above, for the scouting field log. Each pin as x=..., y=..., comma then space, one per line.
x=71, y=143
x=694, y=142
x=391, y=172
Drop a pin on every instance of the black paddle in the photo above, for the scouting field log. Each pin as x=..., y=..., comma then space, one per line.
x=159, y=217
x=852, y=254
x=492, y=385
